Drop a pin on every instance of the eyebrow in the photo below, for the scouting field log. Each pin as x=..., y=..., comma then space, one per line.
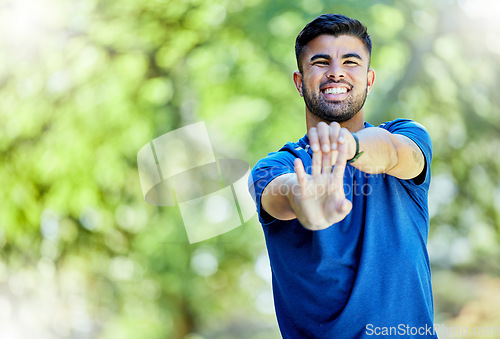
x=328, y=57
x=320, y=56
x=352, y=55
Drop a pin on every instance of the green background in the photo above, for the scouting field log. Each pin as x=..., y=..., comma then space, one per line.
x=85, y=84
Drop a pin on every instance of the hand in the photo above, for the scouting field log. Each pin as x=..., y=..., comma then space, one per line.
x=320, y=201
x=327, y=137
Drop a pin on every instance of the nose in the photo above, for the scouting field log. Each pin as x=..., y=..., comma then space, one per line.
x=335, y=71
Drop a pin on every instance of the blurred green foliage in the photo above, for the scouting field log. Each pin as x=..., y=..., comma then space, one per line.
x=85, y=84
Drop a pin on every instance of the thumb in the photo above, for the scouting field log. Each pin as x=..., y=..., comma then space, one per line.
x=345, y=206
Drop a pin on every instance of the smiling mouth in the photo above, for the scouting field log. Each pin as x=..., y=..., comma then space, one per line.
x=335, y=90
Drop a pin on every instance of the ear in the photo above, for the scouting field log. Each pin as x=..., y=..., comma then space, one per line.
x=371, y=79
x=297, y=79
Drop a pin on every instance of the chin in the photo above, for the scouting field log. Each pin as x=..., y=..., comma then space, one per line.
x=335, y=117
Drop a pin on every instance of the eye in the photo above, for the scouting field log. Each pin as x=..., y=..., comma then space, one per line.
x=351, y=62
x=321, y=62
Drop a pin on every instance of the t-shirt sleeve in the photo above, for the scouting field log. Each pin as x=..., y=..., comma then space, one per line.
x=267, y=169
x=418, y=134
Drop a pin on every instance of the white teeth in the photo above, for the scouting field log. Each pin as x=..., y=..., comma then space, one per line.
x=336, y=90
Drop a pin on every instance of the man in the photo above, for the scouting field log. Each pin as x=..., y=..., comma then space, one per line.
x=347, y=243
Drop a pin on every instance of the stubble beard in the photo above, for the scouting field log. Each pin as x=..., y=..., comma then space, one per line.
x=331, y=111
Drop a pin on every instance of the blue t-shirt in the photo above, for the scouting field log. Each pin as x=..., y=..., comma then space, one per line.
x=368, y=274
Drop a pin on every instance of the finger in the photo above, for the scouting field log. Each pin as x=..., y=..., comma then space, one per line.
x=337, y=178
x=342, y=157
x=313, y=139
x=327, y=163
x=342, y=135
x=334, y=134
x=335, y=154
x=324, y=137
x=316, y=164
x=316, y=158
x=340, y=162
x=301, y=175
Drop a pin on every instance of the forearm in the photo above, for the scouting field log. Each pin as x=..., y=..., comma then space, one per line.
x=275, y=199
x=393, y=154
x=379, y=155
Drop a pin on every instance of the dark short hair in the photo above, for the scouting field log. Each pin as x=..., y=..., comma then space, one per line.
x=331, y=24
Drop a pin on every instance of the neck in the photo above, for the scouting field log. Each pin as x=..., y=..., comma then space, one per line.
x=354, y=124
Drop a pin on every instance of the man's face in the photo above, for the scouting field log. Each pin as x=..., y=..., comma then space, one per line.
x=335, y=78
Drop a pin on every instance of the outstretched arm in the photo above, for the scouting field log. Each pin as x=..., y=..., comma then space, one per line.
x=383, y=152
x=317, y=200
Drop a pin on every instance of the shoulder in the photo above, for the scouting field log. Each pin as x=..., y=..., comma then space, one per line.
x=266, y=170
x=413, y=130
x=285, y=155
x=402, y=124
x=274, y=164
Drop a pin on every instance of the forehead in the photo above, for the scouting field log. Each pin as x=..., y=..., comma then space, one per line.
x=335, y=46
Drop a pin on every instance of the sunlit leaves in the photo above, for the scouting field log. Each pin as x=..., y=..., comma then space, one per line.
x=99, y=79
